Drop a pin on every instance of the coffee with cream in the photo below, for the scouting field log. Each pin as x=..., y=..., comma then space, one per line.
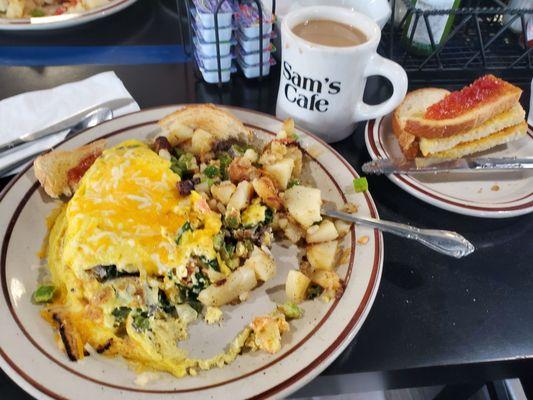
x=329, y=33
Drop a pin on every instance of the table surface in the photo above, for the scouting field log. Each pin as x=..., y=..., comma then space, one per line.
x=435, y=319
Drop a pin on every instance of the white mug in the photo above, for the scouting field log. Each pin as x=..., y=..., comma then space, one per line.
x=321, y=87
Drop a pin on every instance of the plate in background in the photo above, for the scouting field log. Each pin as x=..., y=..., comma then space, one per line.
x=64, y=20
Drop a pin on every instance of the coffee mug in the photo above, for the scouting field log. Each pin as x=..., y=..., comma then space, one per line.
x=321, y=87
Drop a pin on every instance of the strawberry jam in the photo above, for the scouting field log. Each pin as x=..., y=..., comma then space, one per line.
x=457, y=103
x=76, y=173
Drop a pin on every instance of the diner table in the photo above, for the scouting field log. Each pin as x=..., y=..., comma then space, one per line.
x=436, y=320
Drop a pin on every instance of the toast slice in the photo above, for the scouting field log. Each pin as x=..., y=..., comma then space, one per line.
x=514, y=116
x=415, y=103
x=60, y=171
x=179, y=126
x=463, y=110
x=506, y=135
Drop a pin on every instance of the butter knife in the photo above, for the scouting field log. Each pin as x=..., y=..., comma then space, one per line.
x=436, y=165
x=64, y=124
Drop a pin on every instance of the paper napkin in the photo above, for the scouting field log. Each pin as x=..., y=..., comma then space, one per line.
x=33, y=111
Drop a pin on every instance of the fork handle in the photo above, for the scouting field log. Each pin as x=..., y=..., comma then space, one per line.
x=445, y=242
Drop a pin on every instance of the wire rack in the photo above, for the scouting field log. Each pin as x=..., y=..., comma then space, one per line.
x=479, y=39
x=186, y=30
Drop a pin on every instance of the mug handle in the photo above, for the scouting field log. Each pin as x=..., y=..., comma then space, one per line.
x=396, y=75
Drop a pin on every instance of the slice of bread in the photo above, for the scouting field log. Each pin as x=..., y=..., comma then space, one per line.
x=60, y=171
x=493, y=102
x=506, y=135
x=515, y=115
x=415, y=104
x=179, y=126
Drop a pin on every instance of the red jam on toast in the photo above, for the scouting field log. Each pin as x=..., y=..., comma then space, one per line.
x=457, y=103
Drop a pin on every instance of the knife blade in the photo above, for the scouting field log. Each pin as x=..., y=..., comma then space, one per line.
x=436, y=165
x=63, y=124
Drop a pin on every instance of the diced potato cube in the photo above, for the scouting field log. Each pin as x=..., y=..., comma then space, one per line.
x=251, y=155
x=201, y=141
x=292, y=231
x=329, y=280
x=281, y=171
x=262, y=263
x=267, y=191
x=240, y=281
x=342, y=227
x=324, y=232
x=241, y=197
x=295, y=154
x=322, y=255
x=296, y=286
x=303, y=204
x=223, y=191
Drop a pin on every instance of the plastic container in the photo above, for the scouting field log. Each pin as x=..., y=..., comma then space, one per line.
x=208, y=35
x=253, y=31
x=253, y=71
x=206, y=49
x=253, y=57
x=204, y=13
x=212, y=63
x=247, y=20
x=211, y=76
x=251, y=45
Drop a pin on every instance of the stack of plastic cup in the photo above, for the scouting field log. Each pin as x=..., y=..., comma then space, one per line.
x=205, y=40
x=250, y=45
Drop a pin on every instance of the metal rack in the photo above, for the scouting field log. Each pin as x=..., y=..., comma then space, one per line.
x=479, y=39
x=189, y=34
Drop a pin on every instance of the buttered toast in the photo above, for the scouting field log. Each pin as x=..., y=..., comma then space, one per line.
x=491, y=115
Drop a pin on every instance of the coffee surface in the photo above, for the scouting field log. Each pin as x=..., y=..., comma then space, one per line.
x=329, y=33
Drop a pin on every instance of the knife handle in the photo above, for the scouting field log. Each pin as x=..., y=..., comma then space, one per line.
x=445, y=242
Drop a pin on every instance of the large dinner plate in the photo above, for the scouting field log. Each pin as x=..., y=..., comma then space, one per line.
x=479, y=194
x=28, y=349
x=65, y=20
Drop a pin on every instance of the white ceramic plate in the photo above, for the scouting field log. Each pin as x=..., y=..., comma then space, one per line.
x=28, y=351
x=479, y=194
x=64, y=20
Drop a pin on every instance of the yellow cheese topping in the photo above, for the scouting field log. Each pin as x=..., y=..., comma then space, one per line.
x=127, y=212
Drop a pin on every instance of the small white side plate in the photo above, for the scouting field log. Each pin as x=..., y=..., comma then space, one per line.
x=479, y=194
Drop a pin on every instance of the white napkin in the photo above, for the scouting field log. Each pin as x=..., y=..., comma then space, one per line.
x=32, y=111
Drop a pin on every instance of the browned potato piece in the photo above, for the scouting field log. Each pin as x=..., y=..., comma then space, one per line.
x=322, y=255
x=267, y=191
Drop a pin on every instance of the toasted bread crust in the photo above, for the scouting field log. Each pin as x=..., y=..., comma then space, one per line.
x=408, y=143
x=415, y=103
x=219, y=123
x=432, y=129
x=52, y=169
